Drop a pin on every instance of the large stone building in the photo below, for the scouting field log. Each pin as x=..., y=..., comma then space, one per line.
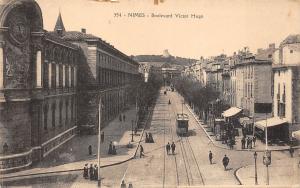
x=44, y=98
x=286, y=89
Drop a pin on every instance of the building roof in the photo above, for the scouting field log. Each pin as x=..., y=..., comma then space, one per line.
x=59, y=26
x=54, y=37
x=291, y=39
x=78, y=36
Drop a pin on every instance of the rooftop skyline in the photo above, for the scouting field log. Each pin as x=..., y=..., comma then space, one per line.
x=226, y=26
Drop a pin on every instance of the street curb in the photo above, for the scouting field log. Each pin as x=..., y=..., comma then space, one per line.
x=237, y=176
x=80, y=169
x=216, y=145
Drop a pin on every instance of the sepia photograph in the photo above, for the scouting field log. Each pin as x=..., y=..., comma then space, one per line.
x=149, y=93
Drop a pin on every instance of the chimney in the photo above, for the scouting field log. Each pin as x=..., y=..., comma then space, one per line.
x=83, y=30
x=272, y=45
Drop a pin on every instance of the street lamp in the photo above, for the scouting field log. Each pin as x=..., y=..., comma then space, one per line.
x=131, y=130
x=255, y=157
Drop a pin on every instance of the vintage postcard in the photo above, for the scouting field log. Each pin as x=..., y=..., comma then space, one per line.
x=149, y=93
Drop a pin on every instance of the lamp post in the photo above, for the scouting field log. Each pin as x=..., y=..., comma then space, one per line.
x=255, y=157
x=131, y=130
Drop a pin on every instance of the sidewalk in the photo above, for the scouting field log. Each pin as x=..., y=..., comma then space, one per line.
x=281, y=172
x=73, y=155
x=259, y=145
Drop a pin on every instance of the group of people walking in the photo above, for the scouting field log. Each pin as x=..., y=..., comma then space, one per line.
x=90, y=172
x=248, y=142
x=170, y=147
x=225, y=160
x=122, y=117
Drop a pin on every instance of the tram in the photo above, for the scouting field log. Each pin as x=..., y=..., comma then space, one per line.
x=182, y=124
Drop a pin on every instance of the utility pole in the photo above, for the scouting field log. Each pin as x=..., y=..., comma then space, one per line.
x=99, y=142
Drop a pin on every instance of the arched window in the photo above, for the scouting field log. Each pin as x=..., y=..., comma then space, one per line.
x=60, y=113
x=53, y=114
x=46, y=117
x=67, y=112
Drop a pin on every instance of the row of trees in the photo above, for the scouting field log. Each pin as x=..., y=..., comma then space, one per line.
x=144, y=94
x=199, y=96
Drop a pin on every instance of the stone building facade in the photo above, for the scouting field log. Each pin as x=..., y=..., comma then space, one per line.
x=51, y=82
x=286, y=89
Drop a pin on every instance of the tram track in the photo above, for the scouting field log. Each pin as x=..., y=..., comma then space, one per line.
x=190, y=162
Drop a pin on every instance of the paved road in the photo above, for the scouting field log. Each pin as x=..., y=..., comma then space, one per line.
x=188, y=166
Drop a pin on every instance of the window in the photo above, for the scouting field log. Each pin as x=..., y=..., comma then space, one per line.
x=67, y=112
x=53, y=114
x=45, y=117
x=291, y=51
x=270, y=56
x=60, y=113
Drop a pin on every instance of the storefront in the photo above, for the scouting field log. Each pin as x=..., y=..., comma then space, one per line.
x=277, y=128
x=219, y=129
x=247, y=125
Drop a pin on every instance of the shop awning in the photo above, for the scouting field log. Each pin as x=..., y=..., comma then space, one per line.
x=296, y=134
x=231, y=112
x=271, y=122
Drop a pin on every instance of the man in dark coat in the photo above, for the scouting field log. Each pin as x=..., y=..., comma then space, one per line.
x=254, y=140
x=91, y=172
x=243, y=142
x=141, y=151
x=168, y=147
x=110, y=148
x=95, y=172
x=90, y=150
x=86, y=171
x=124, y=117
x=210, y=157
x=225, y=162
x=173, y=146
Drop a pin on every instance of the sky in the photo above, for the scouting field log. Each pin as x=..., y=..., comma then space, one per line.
x=222, y=26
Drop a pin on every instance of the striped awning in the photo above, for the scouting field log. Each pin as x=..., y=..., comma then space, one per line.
x=270, y=122
x=231, y=112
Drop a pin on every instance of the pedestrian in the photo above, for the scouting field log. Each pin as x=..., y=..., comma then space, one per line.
x=225, y=162
x=110, y=148
x=168, y=147
x=95, y=172
x=91, y=171
x=120, y=117
x=248, y=142
x=141, y=151
x=90, y=150
x=151, y=138
x=102, y=137
x=254, y=140
x=124, y=117
x=114, y=151
x=210, y=157
x=231, y=143
x=173, y=146
x=243, y=142
x=85, y=171
x=147, y=138
x=291, y=150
